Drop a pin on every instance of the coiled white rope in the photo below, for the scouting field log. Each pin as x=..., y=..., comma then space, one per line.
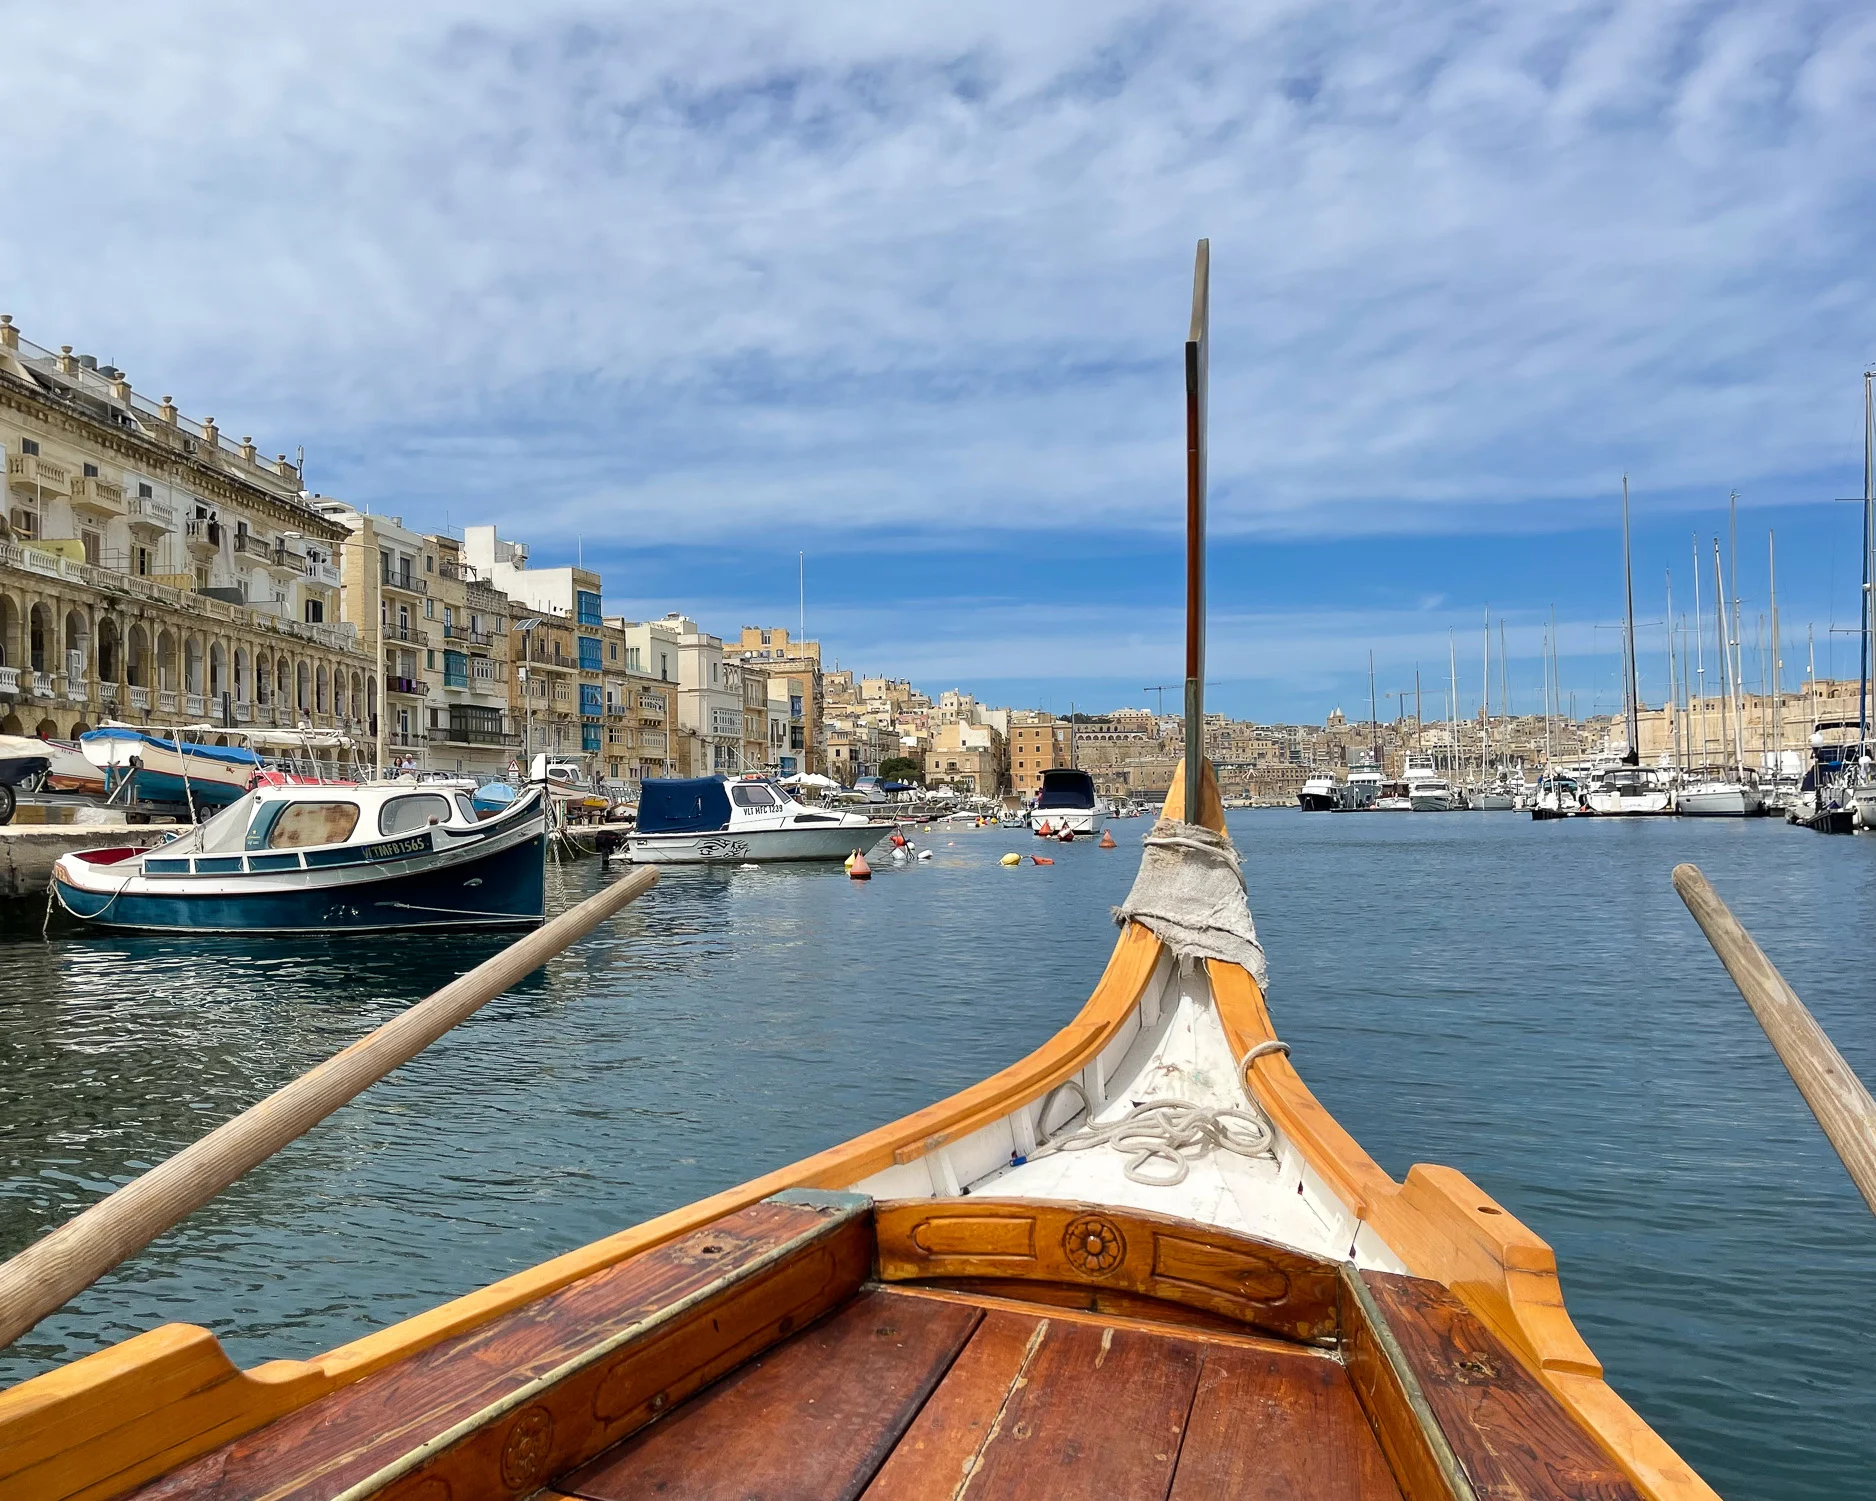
x=1163, y=1131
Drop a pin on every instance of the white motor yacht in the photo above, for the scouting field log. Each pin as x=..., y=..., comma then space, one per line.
x=1363, y=790
x=708, y=820
x=1067, y=801
x=1628, y=792
x=1322, y=794
x=1427, y=790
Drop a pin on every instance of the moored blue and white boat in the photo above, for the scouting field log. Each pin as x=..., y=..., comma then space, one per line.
x=323, y=859
x=705, y=820
x=1067, y=801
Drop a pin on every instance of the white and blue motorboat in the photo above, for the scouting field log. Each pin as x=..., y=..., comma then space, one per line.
x=704, y=820
x=165, y=769
x=324, y=859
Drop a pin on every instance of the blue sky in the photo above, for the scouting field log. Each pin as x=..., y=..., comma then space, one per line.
x=688, y=289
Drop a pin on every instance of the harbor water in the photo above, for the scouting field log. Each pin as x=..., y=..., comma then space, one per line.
x=1529, y=1003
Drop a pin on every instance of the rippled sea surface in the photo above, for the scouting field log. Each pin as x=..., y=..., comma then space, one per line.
x=1527, y=1002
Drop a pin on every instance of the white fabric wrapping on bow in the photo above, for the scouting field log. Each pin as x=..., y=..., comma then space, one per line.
x=1190, y=895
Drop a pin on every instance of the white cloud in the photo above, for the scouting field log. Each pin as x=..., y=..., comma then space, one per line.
x=675, y=269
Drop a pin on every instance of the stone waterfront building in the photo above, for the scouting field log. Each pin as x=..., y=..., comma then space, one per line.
x=155, y=572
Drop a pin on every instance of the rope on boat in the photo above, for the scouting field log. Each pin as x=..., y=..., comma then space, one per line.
x=1263, y=1049
x=1165, y=1131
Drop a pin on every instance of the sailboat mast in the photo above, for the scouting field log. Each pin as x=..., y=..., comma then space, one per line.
x=1700, y=653
x=1719, y=631
x=1869, y=551
x=1198, y=348
x=1485, y=697
x=1630, y=691
x=1778, y=667
x=1504, y=672
x=1737, y=666
x=1673, y=703
x=1452, y=707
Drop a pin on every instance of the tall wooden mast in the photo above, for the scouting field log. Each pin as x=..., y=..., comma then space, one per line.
x=1198, y=349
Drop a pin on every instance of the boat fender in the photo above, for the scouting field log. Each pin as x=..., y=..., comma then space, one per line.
x=1011, y=859
x=899, y=857
x=1107, y=840
x=1042, y=859
x=858, y=868
x=924, y=854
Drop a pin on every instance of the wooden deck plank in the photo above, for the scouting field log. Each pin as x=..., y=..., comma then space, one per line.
x=812, y=1419
x=942, y=1445
x=1514, y=1440
x=1050, y=1409
x=1276, y=1426
x=352, y=1433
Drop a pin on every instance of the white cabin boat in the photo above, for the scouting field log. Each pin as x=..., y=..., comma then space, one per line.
x=1628, y=792
x=1321, y=795
x=322, y=859
x=1719, y=797
x=709, y=820
x=1067, y=801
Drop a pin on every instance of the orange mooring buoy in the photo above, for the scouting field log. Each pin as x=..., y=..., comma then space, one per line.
x=858, y=868
x=1107, y=840
x=899, y=839
x=1043, y=830
x=1042, y=859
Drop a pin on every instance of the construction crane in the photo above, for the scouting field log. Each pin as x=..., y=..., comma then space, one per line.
x=1160, y=689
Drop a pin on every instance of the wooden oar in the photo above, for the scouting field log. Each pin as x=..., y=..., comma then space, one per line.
x=1837, y=1098
x=55, y=1269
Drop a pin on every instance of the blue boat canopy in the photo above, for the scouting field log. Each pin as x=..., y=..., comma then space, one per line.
x=683, y=805
x=234, y=755
x=1066, y=788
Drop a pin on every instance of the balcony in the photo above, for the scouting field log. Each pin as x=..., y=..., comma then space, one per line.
x=10, y=680
x=165, y=701
x=404, y=581
x=322, y=573
x=42, y=685
x=107, y=694
x=412, y=687
x=203, y=537
x=195, y=705
x=469, y=637
x=149, y=516
x=404, y=739
x=97, y=497
x=461, y=734
x=30, y=472
x=140, y=698
x=243, y=711
x=455, y=680
x=410, y=633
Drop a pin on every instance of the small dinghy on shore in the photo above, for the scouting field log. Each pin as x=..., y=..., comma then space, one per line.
x=704, y=820
x=171, y=770
x=323, y=859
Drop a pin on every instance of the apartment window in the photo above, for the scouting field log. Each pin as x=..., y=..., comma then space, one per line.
x=144, y=492
x=92, y=544
x=664, y=667
x=25, y=523
x=429, y=660
x=713, y=672
x=91, y=471
x=29, y=445
x=587, y=607
x=631, y=660
x=140, y=561
x=614, y=652
x=429, y=609
x=449, y=619
x=315, y=611
x=429, y=563
x=592, y=704
x=201, y=578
